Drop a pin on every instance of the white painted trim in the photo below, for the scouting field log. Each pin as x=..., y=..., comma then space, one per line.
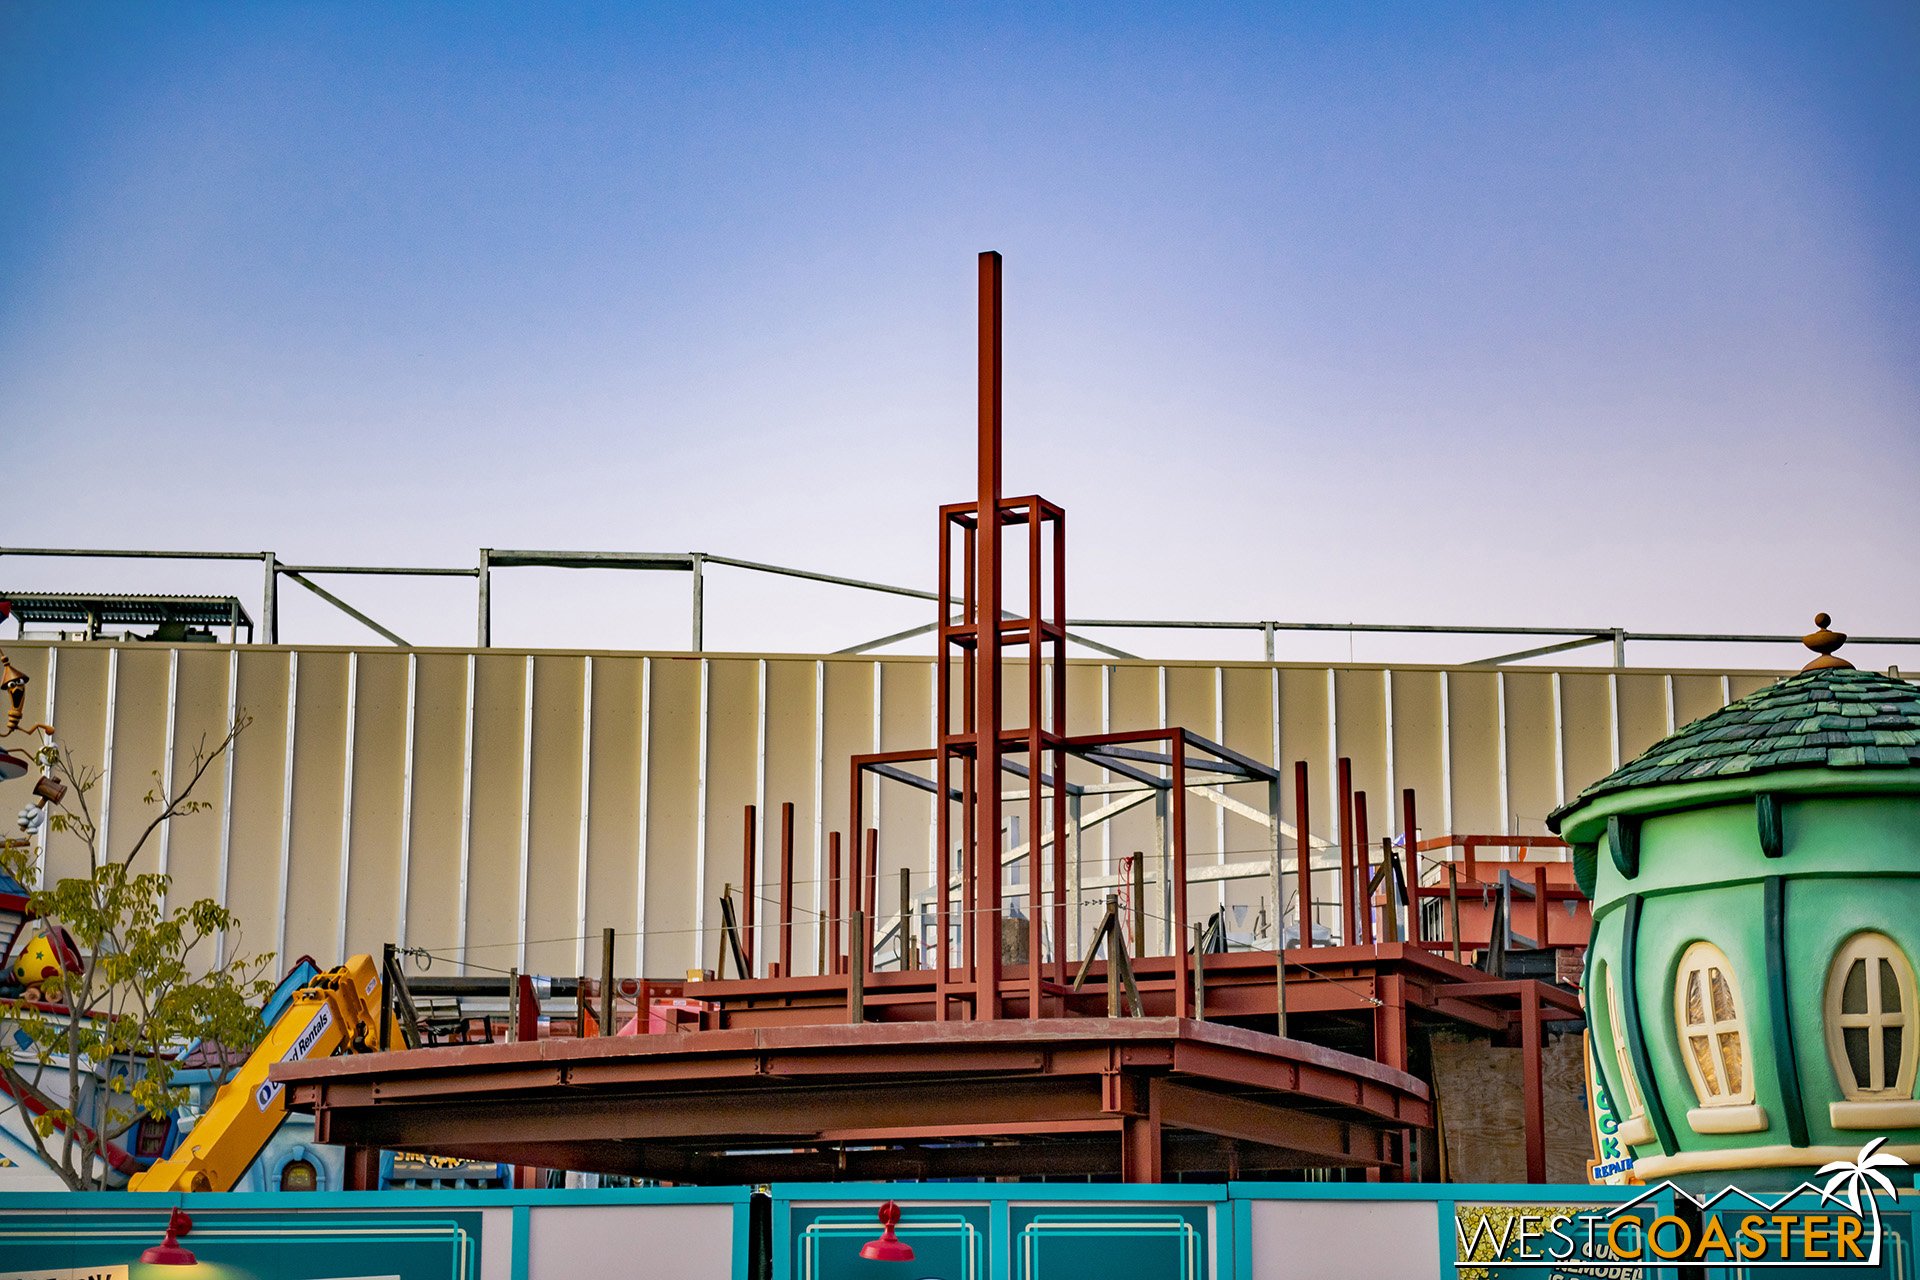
x=1613, y=718
x=346, y=798
x=1106, y=775
x=1386, y=728
x=166, y=764
x=1446, y=753
x=105, y=826
x=406, y=804
x=700, y=822
x=1501, y=754
x=526, y=808
x=226, y=799
x=586, y=806
x=819, y=803
x=286, y=805
x=1220, y=811
x=51, y=717
x=763, y=820
x=466, y=817
x=1668, y=681
x=640, y=833
x=1559, y=745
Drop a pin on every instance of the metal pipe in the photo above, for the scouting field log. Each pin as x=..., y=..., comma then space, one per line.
x=699, y=604
x=346, y=608
x=1409, y=838
x=749, y=885
x=270, y=599
x=1303, y=855
x=484, y=630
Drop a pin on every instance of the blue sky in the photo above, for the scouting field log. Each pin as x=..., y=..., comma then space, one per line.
x=1597, y=315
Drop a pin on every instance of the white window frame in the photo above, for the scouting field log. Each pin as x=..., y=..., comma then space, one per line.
x=1892, y=1105
x=1721, y=1110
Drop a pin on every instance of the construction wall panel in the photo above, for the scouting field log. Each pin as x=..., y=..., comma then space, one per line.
x=466, y=803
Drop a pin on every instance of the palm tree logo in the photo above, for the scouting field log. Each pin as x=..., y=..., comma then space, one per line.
x=1852, y=1178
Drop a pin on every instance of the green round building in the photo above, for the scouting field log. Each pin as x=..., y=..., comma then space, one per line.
x=1755, y=878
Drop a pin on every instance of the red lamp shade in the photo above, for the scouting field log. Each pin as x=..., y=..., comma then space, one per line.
x=168, y=1252
x=889, y=1247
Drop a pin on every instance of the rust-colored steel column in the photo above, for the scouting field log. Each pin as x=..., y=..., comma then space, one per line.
x=1036, y=764
x=942, y=773
x=830, y=954
x=786, y=889
x=1410, y=862
x=1363, y=867
x=1140, y=1148
x=1182, y=983
x=1534, y=1086
x=1059, y=727
x=986, y=716
x=1344, y=787
x=748, y=889
x=1303, y=855
x=870, y=894
x=1540, y=907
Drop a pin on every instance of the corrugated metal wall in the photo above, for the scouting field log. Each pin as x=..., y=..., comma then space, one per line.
x=505, y=806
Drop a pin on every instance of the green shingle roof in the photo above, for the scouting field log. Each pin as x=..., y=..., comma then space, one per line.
x=1837, y=718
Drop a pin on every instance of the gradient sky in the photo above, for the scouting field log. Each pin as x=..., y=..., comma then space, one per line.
x=1545, y=314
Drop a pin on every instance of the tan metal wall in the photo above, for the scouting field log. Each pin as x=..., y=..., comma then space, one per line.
x=505, y=806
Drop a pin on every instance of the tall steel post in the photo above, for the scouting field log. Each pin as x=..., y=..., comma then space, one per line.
x=986, y=717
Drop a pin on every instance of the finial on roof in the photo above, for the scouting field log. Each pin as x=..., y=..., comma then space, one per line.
x=1823, y=642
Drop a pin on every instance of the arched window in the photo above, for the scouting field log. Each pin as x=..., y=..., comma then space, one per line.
x=1870, y=1013
x=299, y=1175
x=1713, y=1042
x=1635, y=1129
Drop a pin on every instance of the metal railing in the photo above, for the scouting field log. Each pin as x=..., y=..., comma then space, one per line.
x=695, y=563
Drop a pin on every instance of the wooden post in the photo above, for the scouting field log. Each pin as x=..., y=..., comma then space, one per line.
x=384, y=1037
x=1303, y=852
x=513, y=1005
x=606, y=982
x=1110, y=930
x=1533, y=1084
x=857, y=971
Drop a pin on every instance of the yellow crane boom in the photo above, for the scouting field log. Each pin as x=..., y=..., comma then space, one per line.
x=337, y=1011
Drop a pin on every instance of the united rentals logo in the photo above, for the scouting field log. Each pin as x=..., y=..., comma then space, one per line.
x=1733, y=1228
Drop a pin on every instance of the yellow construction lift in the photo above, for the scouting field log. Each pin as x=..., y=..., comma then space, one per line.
x=338, y=1011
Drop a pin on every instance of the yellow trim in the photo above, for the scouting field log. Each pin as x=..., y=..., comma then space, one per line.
x=1866, y=948
x=1700, y=962
x=1879, y=1115
x=1653, y=1168
x=1636, y=1131
x=1741, y=1119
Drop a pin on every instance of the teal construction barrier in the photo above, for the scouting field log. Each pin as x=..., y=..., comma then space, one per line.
x=958, y=1231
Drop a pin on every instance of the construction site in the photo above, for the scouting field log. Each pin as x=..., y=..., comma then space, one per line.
x=694, y=920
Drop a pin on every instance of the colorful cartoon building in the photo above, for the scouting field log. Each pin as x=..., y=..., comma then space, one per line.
x=1756, y=913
